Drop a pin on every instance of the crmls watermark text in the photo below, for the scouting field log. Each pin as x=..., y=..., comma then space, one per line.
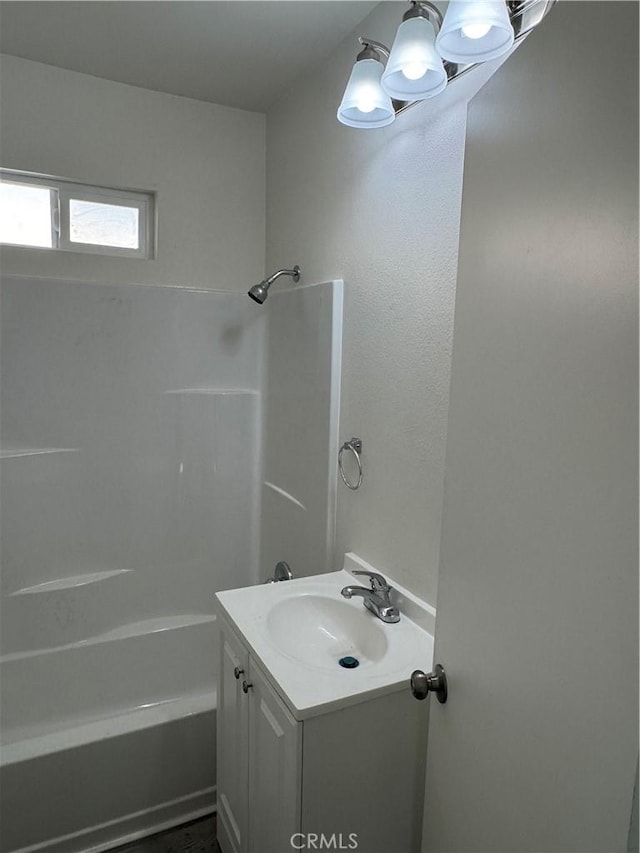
x=320, y=841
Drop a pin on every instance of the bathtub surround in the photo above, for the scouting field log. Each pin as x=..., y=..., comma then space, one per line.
x=301, y=388
x=165, y=455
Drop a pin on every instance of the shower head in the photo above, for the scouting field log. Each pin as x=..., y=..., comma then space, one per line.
x=259, y=292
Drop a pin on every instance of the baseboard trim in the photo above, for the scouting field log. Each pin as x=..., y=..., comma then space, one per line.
x=131, y=827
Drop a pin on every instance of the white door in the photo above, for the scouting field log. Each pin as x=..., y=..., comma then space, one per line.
x=537, y=627
x=274, y=770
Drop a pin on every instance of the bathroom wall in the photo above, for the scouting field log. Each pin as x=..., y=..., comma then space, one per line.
x=381, y=210
x=205, y=162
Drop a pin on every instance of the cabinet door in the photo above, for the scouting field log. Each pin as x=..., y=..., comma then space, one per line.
x=275, y=740
x=232, y=743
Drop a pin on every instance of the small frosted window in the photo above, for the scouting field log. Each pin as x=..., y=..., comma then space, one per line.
x=25, y=215
x=38, y=210
x=103, y=224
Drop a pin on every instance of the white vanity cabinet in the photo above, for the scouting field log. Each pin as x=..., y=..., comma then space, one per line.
x=355, y=773
x=258, y=757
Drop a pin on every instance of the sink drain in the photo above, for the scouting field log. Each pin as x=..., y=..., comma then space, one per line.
x=349, y=662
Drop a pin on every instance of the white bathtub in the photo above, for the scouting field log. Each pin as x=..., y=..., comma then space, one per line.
x=109, y=739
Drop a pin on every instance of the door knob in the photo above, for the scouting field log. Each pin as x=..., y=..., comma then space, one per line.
x=245, y=686
x=435, y=682
x=237, y=672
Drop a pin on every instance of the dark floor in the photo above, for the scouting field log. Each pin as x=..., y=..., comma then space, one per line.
x=198, y=836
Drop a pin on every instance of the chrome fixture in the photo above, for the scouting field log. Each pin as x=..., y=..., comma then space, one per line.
x=282, y=572
x=429, y=52
x=435, y=682
x=376, y=597
x=259, y=292
x=354, y=445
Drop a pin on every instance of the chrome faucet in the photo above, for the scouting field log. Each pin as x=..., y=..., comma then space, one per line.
x=376, y=597
x=282, y=572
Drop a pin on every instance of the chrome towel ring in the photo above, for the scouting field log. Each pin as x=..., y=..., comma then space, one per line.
x=355, y=446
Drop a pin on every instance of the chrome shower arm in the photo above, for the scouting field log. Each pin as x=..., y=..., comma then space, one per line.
x=294, y=273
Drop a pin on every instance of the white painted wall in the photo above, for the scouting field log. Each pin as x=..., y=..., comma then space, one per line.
x=205, y=162
x=381, y=210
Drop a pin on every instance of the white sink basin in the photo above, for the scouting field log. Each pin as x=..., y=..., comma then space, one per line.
x=298, y=630
x=318, y=631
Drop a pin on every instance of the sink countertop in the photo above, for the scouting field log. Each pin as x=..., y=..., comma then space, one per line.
x=310, y=689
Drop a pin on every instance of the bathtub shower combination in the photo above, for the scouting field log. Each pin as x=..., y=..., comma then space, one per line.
x=132, y=464
x=129, y=484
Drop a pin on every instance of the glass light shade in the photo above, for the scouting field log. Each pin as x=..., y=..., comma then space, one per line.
x=364, y=103
x=414, y=70
x=475, y=31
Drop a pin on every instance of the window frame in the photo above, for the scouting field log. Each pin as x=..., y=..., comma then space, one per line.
x=63, y=192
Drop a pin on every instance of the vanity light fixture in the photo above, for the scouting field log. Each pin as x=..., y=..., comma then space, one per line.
x=429, y=52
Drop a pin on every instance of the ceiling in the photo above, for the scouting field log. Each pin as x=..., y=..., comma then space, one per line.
x=240, y=53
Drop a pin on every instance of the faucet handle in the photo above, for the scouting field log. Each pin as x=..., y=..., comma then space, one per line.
x=378, y=582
